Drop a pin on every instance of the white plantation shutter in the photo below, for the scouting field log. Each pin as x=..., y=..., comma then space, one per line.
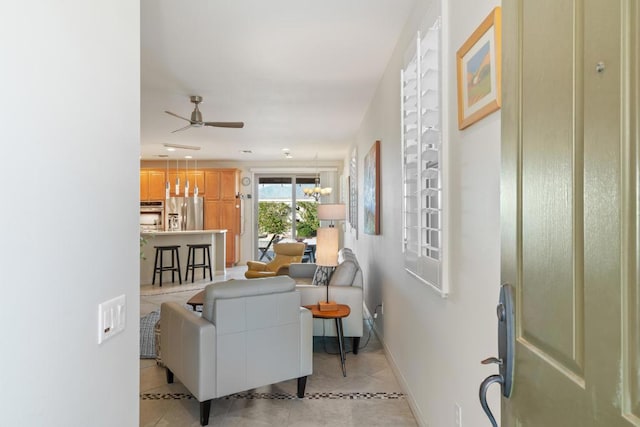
x=422, y=157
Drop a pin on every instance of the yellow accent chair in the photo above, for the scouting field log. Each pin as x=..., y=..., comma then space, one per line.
x=285, y=254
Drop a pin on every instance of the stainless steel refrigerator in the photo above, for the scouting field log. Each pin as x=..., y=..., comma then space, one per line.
x=184, y=213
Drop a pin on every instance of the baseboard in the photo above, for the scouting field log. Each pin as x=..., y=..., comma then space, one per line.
x=396, y=371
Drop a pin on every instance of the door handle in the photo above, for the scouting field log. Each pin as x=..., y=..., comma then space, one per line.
x=492, y=360
x=484, y=386
x=506, y=348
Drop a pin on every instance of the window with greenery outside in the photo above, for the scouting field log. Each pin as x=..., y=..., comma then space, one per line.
x=307, y=222
x=273, y=217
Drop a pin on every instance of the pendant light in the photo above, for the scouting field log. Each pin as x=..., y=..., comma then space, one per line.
x=195, y=177
x=177, y=179
x=167, y=185
x=186, y=174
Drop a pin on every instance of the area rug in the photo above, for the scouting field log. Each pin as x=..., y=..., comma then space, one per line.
x=147, y=335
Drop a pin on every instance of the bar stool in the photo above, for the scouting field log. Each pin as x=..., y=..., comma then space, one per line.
x=204, y=265
x=174, y=267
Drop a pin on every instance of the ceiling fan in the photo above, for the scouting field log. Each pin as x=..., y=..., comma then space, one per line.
x=196, y=118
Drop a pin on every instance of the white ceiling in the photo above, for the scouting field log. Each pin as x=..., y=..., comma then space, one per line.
x=299, y=73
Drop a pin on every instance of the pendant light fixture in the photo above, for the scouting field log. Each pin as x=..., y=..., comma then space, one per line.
x=177, y=179
x=195, y=177
x=167, y=185
x=186, y=174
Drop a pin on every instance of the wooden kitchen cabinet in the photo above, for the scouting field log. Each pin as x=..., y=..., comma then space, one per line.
x=222, y=209
x=144, y=185
x=156, y=185
x=152, y=184
x=230, y=212
x=212, y=184
x=229, y=184
x=212, y=218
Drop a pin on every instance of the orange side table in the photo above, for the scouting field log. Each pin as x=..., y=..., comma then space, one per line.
x=196, y=301
x=341, y=312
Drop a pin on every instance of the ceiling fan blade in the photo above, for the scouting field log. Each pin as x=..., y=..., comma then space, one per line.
x=178, y=130
x=237, y=125
x=175, y=115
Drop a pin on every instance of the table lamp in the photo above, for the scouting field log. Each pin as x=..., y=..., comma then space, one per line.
x=327, y=246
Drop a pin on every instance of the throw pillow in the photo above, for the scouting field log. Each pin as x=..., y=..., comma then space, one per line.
x=322, y=276
x=344, y=273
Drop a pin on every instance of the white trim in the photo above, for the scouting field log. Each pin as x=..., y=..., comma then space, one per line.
x=445, y=147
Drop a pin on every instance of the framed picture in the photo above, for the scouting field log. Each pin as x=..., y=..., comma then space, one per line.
x=372, y=190
x=479, y=68
x=353, y=191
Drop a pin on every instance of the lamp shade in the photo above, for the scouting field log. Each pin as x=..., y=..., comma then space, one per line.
x=327, y=246
x=331, y=212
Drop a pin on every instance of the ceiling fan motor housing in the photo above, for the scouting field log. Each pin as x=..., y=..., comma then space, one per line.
x=196, y=115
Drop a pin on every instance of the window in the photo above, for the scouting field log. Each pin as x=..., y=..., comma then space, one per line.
x=422, y=157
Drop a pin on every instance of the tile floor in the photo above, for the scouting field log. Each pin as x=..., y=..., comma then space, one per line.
x=368, y=396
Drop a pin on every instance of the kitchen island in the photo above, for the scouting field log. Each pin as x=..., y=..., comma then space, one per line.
x=217, y=238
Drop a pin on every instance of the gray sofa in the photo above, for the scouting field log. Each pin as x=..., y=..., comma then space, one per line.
x=345, y=287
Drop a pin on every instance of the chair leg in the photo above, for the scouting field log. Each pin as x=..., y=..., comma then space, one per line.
x=169, y=376
x=155, y=269
x=161, y=266
x=209, y=265
x=205, y=409
x=356, y=344
x=178, y=262
x=186, y=273
x=302, y=384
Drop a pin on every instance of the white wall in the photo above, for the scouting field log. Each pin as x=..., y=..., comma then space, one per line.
x=436, y=344
x=69, y=110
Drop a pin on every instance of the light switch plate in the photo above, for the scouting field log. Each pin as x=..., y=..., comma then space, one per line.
x=111, y=318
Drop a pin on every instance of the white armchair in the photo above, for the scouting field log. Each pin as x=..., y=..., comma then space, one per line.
x=252, y=333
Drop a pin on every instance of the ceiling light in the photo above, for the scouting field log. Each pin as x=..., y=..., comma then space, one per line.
x=171, y=149
x=317, y=191
x=188, y=157
x=183, y=147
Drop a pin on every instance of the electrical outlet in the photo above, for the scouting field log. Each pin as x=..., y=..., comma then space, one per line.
x=458, y=415
x=375, y=312
x=382, y=309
